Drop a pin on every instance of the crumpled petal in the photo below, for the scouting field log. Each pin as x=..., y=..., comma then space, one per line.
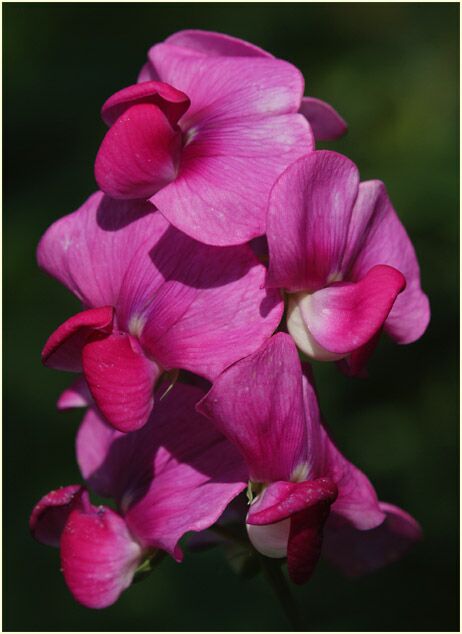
x=308, y=219
x=50, y=514
x=357, y=552
x=63, y=349
x=257, y=403
x=98, y=556
x=343, y=317
x=377, y=236
x=121, y=379
x=326, y=123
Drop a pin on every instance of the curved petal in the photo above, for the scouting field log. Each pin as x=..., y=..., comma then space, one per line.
x=308, y=217
x=89, y=250
x=63, y=349
x=326, y=123
x=357, y=552
x=140, y=153
x=378, y=237
x=98, y=556
x=77, y=395
x=344, y=317
x=270, y=540
x=257, y=403
x=215, y=44
x=121, y=379
x=50, y=514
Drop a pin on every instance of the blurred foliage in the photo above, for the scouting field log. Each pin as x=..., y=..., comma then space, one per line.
x=391, y=70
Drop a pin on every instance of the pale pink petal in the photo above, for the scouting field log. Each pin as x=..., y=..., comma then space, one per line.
x=378, y=237
x=343, y=317
x=63, y=349
x=77, y=395
x=98, y=556
x=308, y=218
x=257, y=403
x=357, y=552
x=270, y=540
x=215, y=44
x=50, y=514
x=121, y=379
x=326, y=123
x=89, y=250
x=147, y=73
x=140, y=153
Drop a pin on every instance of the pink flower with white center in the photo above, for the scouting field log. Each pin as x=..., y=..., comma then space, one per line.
x=175, y=475
x=154, y=300
x=343, y=257
x=206, y=137
x=303, y=485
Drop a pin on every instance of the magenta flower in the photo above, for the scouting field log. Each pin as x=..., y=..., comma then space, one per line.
x=175, y=475
x=339, y=250
x=154, y=300
x=303, y=485
x=206, y=137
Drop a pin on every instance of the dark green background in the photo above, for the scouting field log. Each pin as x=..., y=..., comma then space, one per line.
x=392, y=71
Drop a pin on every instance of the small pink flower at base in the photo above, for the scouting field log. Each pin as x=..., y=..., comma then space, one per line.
x=155, y=300
x=339, y=251
x=175, y=475
x=304, y=488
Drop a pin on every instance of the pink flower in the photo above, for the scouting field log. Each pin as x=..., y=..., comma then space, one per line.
x=339, y=250
x=205, y=135
x=175, y=475
x=154, y=300
x=302, y=484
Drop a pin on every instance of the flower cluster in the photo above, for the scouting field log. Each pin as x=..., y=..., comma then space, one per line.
x=217, y=225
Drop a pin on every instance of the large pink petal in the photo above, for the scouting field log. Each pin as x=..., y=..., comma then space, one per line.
x=89, y=250
x=121, y=379
x=257, y=403
x=50, y=514
x=377, y=237
x=357, y=552
x=63, y=349
x=215, y=44
x=98, y=556
x=326, y=123
x=308, y=218
x=140, y=153
x=344, y=317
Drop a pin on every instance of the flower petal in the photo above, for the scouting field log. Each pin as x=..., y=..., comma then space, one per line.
x=121, y=379
x=308, y=217
x=140, y=153
x=215, y=44
x=357, y=552
x=326, y=123
x=50, y=514
x=63, y=349
x=98, y=555
x=77, y=395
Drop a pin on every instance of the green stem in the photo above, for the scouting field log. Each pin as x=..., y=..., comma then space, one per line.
x=272, y=569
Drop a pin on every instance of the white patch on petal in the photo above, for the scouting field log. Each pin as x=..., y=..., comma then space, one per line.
x=270, y=540
x=300, y=473
x=136, y=325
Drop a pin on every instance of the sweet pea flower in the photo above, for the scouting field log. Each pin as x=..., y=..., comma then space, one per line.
x=205, y=138
x=175, y=475
x=154, y=300
x=343, y=257
x=303, y=485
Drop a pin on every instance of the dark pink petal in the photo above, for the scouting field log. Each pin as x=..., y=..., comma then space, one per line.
x=326, y=123
x=98, y=555
x=308, y=218
x=215, y=44
x=63, y=350
x=377, y=237
x=172, y=102
x=355, y=363
x=357, y=552
x=344, y=317
x=140, y=153
x=121, y=379
x=50, y=514
x=257, y=403
x=89, y=250
x=77, y=395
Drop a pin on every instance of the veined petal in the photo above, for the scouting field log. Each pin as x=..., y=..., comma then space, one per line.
x=121, y=379
x=50, y=514
x=98, y=555
x=326, y=123
x=63, y=349
x=308, y=218
x=140, y=153
x=214, y=44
